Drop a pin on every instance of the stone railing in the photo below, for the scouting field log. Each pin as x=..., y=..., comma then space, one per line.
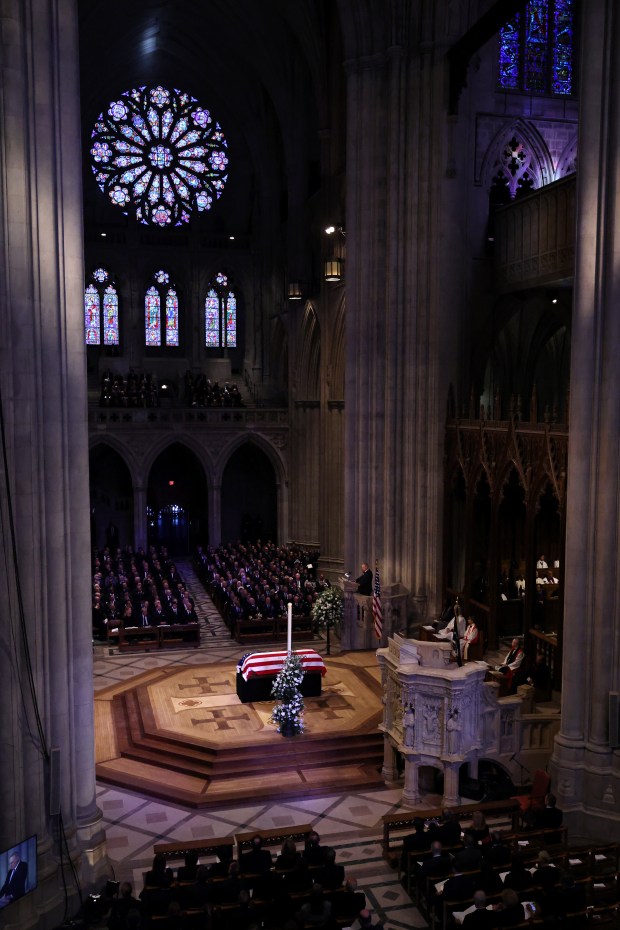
x=535, y=237
x=130, y=417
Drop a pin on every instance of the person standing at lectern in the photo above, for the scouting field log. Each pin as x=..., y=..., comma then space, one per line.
x=364, y=582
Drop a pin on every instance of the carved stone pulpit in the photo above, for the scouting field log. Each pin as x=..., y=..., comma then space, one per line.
x=440, y=716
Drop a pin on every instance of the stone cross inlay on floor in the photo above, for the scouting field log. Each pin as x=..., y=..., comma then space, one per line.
x=209, y=686
x=220, y=717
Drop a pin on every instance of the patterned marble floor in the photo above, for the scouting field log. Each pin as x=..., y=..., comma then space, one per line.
x=349, y=822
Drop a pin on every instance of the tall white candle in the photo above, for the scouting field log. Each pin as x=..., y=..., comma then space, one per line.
x=289, y=638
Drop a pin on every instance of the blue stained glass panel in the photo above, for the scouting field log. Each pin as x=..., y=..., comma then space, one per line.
x=152, y=317
x=172, y=318
x=231, y=321
x=562, y=82
x=212, y=320
x=92, y=316
x=110, y=317
x=536, y=50
x=509, y=52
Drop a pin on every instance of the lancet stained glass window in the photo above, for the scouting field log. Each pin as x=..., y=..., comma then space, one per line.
x=101, y=322
x=161, y=292
x=157, y=151
x=536, y=49
x=220, y=315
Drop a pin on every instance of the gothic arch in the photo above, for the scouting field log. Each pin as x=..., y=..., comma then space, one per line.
x=264, y=444
x=309, y=356
x=190, y=442
x=126, y=453
x=530, y=157
x=567, y=162
x=337, y=355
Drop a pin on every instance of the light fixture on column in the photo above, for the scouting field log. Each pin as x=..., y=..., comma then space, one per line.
x=333, y=268
x=294, y=290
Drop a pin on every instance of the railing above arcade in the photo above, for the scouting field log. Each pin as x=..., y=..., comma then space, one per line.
x=213, y=417
x=535, y=237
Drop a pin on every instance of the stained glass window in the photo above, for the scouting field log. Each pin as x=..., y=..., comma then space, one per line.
x=92, y=316
x=230, y=335
x=152, y=317
x=96, y=296
x=172, y=318
x=110, y=317
x=212, y=320
x=536, y=49
x=160, y=294
x=220, y=315
x=156, y=151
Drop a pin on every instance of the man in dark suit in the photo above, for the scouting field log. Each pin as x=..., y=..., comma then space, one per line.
x=15, y=883
x=469, y=857
x=480, y=918
x=550, y=816
x=364, y=582
x=257, y=860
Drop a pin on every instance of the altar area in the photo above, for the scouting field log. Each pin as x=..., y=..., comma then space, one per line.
x=182, y=733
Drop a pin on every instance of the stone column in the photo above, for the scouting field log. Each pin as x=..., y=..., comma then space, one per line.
x=451, y=795
x=402, y=323
x=140, y=520
x=215, y=514
x=390, y=769
x=585, y=768
x=46, y=632
x=411, y=791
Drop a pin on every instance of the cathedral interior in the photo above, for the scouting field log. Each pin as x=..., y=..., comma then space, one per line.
x=337, y=274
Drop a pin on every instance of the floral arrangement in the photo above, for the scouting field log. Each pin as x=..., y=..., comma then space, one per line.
x=288, y=714
x=328, y=608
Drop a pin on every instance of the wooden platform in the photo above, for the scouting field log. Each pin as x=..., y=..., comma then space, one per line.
x=183, y=735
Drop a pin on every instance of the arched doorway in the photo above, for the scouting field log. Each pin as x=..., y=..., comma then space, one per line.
x=177, y=501
x=249, y=496
x=111, y=498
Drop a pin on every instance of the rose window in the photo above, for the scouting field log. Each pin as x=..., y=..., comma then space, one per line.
x=159, y=152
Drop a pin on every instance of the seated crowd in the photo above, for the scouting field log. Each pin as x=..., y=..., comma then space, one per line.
x=137, y=389
x=137, y=589
x=295, y=890
x=475, y=878
x=257, y=581
x=200, y=391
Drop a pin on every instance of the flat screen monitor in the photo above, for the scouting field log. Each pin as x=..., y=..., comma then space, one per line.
x=18, y=870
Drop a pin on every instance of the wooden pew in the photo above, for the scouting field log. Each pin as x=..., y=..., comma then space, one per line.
x=272, y=837
x=145, y=638
x=207, y=847
x=403, y=820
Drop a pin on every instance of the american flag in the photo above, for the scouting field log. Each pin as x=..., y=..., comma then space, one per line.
x=377, y=613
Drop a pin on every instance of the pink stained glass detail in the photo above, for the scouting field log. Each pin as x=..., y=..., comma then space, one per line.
x=172, y=318
x=231, y=321
x=110, y=317
x=92, y=316
x=212, y=320
x=152, y=317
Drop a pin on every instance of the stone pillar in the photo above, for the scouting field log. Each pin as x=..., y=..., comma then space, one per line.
x=390, y=769
x=451, y=795
x=411, y=791
x=585, y=768
x=46, y=629
x=140, y=520
x=215, y=514
x=404, y=334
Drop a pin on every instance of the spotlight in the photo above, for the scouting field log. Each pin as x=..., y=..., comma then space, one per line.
x=330, y=229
